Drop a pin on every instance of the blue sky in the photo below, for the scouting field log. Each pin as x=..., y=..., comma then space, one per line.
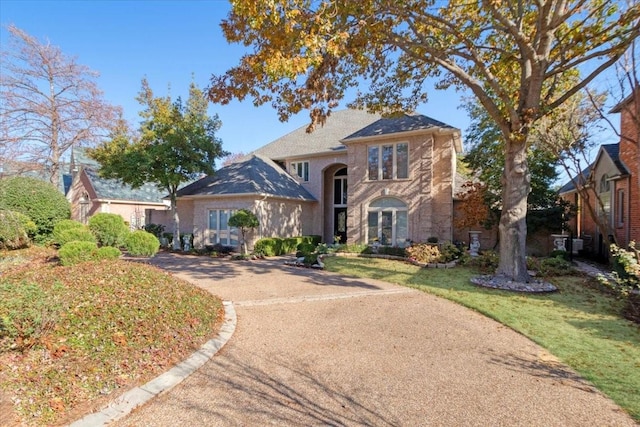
x=169, y=42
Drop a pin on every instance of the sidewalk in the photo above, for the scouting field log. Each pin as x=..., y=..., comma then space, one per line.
x=314, y=348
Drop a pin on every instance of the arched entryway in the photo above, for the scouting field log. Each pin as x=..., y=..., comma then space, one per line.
x=340, y=205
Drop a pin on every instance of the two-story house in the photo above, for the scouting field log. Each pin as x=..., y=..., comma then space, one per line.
x=360, y=178
x=613, y=179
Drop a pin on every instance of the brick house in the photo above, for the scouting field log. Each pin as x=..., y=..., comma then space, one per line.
x=360, y=178
x=615, y=176
x=89, y=194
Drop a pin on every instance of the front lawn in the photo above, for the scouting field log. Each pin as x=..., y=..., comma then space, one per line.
x=580, y=324
x=73, y=338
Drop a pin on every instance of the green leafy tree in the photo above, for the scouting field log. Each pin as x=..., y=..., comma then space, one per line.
x=176, y=144
x=244, y=220
x=515, y=58
x=486, y=161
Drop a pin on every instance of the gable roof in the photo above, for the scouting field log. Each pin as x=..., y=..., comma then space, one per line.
x=79, y=158
x=610, y=150
x=570, y=186
x=613, y=150
x=392, y=125
x=255, y=175
x=322, y=140
x=114, y=189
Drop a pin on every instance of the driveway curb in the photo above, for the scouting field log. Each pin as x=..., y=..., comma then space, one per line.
x=138, y=396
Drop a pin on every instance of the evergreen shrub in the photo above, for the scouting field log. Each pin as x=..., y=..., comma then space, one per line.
x=39, y=200
x=108, y=228
x=76, y=252
x=141, y=243
x=14, y=230
x=68, y=230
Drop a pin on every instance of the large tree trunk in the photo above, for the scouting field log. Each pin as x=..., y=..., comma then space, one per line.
x=176, y=222
x=513, y=221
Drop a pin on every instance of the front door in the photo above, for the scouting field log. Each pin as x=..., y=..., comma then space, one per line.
x=340, y=224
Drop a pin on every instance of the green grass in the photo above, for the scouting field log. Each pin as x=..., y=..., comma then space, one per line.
x=581, y=325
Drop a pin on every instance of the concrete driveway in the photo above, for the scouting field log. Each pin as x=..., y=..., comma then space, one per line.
x=316, y=348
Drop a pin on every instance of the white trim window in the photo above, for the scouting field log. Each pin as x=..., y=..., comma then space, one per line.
x=387, y=222
x=301, y=170
x=219, y=230
x=340, y=188
x=388, y=161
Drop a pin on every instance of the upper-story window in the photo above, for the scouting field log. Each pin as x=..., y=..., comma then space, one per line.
x=340, y=188
x=388, y=161
x=301, y=170
x=605, y=185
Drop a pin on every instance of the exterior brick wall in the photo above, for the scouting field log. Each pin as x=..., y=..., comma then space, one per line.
x=427, y=192
x=630, y=157
x=277, y=217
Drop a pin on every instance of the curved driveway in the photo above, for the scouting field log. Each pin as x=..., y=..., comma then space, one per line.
x=316, y=348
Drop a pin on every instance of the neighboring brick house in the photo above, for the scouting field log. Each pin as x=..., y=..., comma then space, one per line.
x=615, y=178
x=90, y=194
x=360, y=178
x=627, y=216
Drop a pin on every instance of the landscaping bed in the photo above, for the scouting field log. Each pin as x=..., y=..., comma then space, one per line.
x=73, y=338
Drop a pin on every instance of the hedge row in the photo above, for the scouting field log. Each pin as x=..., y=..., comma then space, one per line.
x=274, y=246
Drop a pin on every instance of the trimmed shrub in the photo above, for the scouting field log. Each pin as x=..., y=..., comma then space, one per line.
x=13, y=230
x=76, y=252
x=289, y=245
x=108, y=228
x=74, y=235
x=68, y=230
x=39, y=200
x=267, y=246
x=107, y=252
x=304, y=249
x=141, y=243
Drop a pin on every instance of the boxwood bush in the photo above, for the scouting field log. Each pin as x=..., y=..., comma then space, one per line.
x=267, y=246
x=76, y=252
x=108, y=228
x=39, y=200
x=141, y=243
x=67, y=230
x=15, y=228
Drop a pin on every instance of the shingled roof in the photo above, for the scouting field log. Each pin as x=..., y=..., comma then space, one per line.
x=113, y=189
x=256, y=175
x=322, y=140
x=613, y=151
x=392, y=125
